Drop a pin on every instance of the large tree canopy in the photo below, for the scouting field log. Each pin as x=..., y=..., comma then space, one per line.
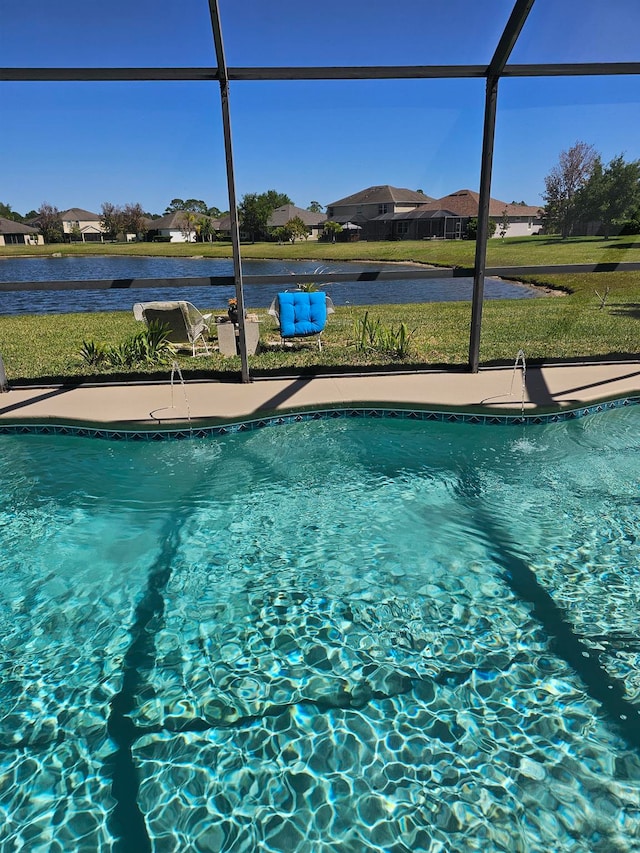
x=255, y=209
x=7, y=212
x=195, y=205
x=49, y=223
x=118, y=220
x=611, y=194
x=572, y=171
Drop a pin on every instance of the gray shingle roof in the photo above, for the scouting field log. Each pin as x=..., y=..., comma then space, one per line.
x=383, y=194
x=77, y=213
x=8, y=226
x=174, y=221
x=281, y=215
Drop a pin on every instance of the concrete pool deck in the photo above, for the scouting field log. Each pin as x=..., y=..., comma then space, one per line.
x=499, y=391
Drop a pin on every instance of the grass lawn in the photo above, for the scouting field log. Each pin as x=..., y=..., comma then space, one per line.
x=557, y=327
x=574, y=325
x=512, y=251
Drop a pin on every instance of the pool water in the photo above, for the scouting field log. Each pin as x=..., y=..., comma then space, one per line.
x=350, y=635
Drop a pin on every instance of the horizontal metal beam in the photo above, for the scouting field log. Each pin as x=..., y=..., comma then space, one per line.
x=105, y=74
x=571, y=69
x=365, y=72
x=353, y=72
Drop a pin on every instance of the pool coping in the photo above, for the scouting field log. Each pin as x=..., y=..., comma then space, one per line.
x=153, y=411
x=149, y=433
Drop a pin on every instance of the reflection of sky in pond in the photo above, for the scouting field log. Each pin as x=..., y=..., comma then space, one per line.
x=339, y=635
x=256, y=296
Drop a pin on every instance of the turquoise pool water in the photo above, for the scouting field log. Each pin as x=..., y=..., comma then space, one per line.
x=353, y=635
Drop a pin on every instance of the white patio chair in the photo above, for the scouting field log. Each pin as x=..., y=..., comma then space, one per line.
x=185, y=323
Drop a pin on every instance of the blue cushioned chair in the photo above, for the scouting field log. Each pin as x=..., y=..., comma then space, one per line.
x=301, y=313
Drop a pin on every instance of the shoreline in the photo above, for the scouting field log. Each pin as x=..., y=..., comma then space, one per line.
x=542, y=289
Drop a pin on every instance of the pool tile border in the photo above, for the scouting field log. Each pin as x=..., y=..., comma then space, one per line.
x=336, y=413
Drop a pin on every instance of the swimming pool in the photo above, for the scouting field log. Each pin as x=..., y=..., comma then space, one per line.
x=349, y=635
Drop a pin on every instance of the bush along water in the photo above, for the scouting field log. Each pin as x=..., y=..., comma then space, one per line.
x=150, y=346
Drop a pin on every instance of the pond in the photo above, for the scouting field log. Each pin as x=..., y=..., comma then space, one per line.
x=256, y=295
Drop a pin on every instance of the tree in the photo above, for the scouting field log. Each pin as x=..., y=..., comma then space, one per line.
x=119, y=221
x=6, y=212
x=572, y=171
x=611, y=194
x=255, y=209
x=503, y=224
x=330, y=230
x=112, y=220
x=632, y=225
x=296, y=229
x=472, y=228
x=195, y=205
x=133, y=219
x=188, y=224
x=206, y=231
x=50, y=224
x=315, y=207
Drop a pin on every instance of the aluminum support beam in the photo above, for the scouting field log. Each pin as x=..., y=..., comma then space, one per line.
x=231, y=183
x=496, y=67
x=365, y=72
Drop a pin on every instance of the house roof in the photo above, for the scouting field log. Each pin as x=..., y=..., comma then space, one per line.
x=281, y=215
x=383, y=194
x=430, y=211
x=174, y=221
x=77, y=213
x=8, y=226
x=467, y=202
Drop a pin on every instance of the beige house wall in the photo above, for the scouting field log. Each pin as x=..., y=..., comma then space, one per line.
x=27, y=239
x=368, y=211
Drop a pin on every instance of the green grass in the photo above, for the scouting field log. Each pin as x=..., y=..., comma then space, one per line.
x=574, y=325
x=512, y=251
x=48, y=347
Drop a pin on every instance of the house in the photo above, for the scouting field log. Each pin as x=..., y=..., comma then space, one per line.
x=367, y=204
x=177, y=227
x=79, y=224
x=282, y=215
x=447, y=218
x=16, y=234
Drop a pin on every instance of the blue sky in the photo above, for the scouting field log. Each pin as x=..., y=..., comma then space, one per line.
x=80, y=144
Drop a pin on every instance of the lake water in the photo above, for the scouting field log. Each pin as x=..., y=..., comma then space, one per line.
x=256, y=295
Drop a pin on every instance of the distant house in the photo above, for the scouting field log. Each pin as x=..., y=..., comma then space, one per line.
x=79, y=224
x=177, y=227
x=447, y=218
x=16, y=234
x=363, y=206
x=282, y=215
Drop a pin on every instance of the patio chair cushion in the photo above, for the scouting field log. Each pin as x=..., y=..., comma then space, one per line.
x=302, y=313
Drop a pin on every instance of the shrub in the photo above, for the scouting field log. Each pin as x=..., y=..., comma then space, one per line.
x=150, y=346
x=472, y=228
x=373, y=336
